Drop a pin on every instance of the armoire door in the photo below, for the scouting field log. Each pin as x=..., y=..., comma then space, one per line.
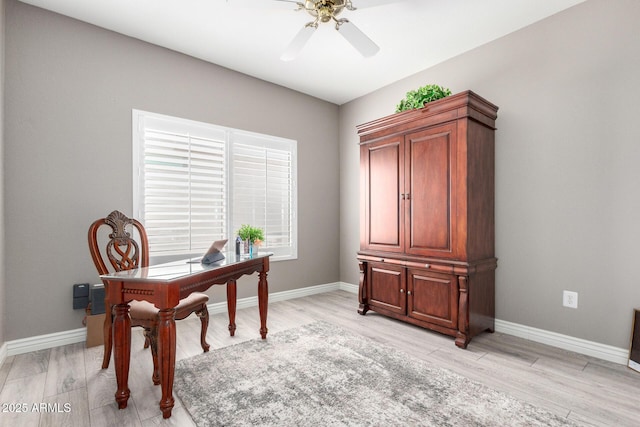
x=433, y=297
x=387, y=287
x=430, y=186
x=382, y=184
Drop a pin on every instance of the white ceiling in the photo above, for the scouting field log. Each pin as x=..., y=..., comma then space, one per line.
x=249, y=35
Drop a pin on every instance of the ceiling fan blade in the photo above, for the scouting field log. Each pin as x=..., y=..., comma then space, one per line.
x=298, y=43
x=358, y=39
x=361, y=4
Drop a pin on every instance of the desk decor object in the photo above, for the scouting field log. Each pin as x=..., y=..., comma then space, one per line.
x=252, y=237
x=214, y=253
x=164, y=285
x=427, y=240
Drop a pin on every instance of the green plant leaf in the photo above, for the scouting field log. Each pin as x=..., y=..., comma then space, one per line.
x=419, y=97
x=248, y=232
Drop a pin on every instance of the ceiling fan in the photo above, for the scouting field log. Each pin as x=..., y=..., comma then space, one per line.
x=325, y=11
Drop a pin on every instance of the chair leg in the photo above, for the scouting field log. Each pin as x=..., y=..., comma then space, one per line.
x=203, y=314
x=151, y=336
x=107, y=338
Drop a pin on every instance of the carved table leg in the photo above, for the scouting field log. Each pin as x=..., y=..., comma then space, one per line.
x=463, y=338
x=204, y=326
x=167, y=357
x=263, y=300
x=231, y=305
x=362, y=289
x=122, y=352
x=151, y=336
x=107, y=333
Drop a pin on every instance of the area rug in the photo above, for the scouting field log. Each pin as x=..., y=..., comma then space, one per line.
x=321, y=375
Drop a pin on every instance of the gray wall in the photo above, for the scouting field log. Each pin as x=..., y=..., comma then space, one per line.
x=2, y=259
x=69, y=94
x=566, y=179
x=567, y=166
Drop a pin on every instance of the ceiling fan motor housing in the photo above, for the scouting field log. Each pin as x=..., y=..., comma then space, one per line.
x=325, y=10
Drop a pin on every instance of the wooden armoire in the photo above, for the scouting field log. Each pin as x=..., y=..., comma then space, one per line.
x=427, y=246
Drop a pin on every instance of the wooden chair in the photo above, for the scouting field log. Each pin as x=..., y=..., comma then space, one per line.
x=124, y=253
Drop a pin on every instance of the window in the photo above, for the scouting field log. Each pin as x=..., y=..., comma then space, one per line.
x=194, y=183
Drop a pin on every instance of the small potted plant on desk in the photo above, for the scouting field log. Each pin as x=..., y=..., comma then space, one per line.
x=252, y=237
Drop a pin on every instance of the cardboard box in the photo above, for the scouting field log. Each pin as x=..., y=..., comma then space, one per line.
x=95, y=325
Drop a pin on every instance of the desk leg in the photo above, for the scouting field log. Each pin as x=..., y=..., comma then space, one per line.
x=231, y=305
x=167, y=357
x=122, y=352
x=263, y=300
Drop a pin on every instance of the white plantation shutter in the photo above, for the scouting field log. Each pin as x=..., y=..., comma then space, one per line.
x=263, y=186
x=189, y=190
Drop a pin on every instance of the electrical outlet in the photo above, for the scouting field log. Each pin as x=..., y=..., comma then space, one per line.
x=570, y=299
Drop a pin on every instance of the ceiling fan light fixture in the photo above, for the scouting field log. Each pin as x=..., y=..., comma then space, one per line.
x=325, y=11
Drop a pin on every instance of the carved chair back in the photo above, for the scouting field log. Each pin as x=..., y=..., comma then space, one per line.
x=122, y=251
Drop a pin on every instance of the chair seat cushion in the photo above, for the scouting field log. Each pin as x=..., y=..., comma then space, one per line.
x=144, y=310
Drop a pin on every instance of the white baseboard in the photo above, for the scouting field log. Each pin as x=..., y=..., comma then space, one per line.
x=3, y=353
x=349, y=287
x=566, y=342
x=589, y=348
x=41, y=342
x=221, y=307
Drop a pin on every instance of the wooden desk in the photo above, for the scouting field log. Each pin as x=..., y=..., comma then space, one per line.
x=164, y=285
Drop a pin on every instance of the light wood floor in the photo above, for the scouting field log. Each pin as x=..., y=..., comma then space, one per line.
x=587, y=390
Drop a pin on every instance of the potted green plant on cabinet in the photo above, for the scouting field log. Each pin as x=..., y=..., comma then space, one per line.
x=417, y=98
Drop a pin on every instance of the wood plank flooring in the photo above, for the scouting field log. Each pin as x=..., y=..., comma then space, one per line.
x=65, y=386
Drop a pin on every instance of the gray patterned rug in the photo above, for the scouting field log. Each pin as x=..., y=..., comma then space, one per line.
x=322, y=375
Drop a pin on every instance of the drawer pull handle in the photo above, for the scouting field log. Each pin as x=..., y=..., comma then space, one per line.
x=401, y=291
x=408, y=292
x=427, y=266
